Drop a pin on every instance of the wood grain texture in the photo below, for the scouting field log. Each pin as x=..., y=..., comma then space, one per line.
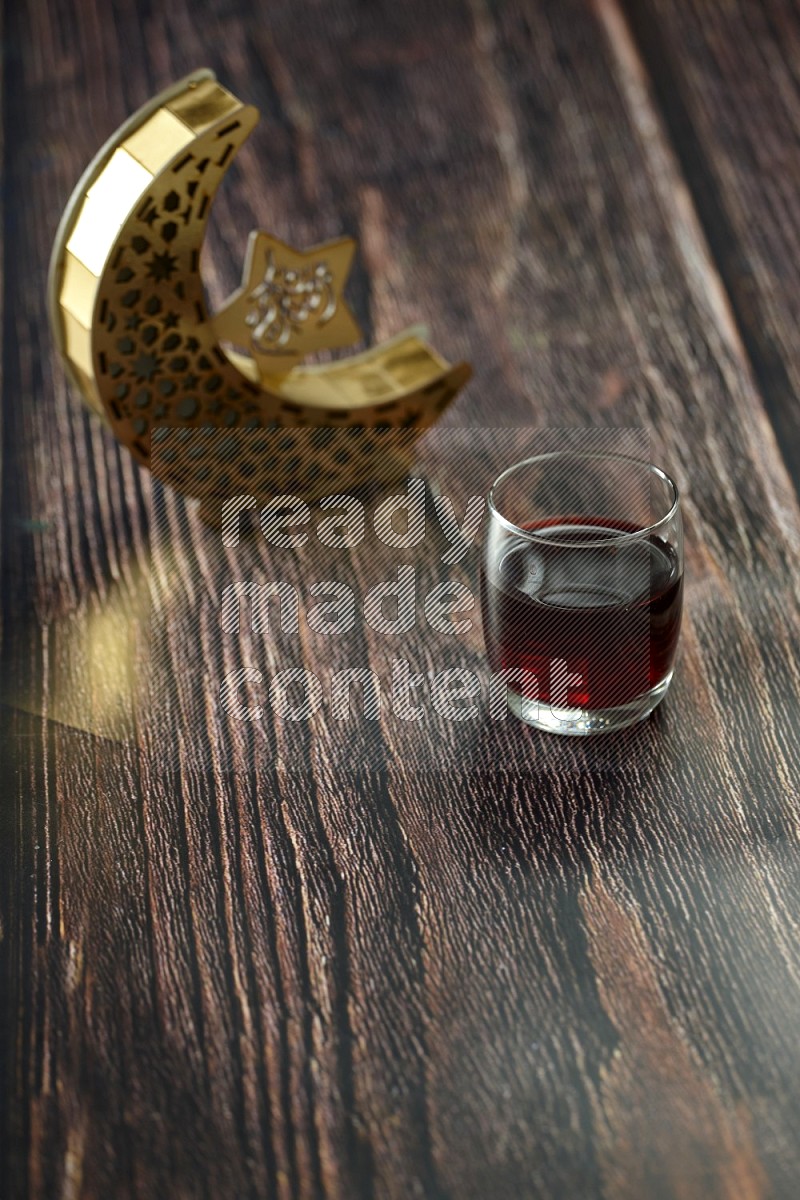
x=725, y=75
x=275, y=962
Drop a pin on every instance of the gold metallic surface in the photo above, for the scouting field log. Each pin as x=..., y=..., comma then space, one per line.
x=129, y=312
x=290, y=303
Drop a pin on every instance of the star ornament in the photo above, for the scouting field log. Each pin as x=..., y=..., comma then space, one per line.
x=290, y=303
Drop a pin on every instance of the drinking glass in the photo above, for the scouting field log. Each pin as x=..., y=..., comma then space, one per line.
x=582, y=589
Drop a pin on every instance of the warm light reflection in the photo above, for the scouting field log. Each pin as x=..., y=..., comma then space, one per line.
x=93, y=663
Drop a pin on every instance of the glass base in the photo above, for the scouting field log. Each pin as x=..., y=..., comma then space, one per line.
x=581, y=722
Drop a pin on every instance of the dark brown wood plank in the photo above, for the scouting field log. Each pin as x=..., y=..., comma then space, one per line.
x=479, y=963
x=726, y=79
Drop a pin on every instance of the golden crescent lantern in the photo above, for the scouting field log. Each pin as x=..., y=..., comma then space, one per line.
x=129, y=315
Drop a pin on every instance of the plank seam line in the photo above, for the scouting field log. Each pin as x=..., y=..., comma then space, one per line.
x=693, y=239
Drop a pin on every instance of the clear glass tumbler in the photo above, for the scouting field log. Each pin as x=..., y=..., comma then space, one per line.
x=582, y=589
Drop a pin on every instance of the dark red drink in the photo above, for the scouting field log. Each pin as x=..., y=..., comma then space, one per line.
x=607, y=613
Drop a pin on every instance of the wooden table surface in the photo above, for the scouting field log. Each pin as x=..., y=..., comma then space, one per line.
x=272, y=964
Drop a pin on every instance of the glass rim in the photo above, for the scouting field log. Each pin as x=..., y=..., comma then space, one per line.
x=617, y=535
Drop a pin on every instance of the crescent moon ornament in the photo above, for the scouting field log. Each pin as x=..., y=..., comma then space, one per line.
x=129, y=315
